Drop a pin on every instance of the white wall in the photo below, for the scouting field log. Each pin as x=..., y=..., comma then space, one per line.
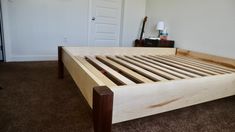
x=134, y=13
x=199, y=25
x=34, y=28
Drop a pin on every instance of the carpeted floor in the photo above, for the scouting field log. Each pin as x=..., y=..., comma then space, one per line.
x=32, y=99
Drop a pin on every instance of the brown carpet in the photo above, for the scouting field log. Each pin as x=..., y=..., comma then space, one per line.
x=32, y=99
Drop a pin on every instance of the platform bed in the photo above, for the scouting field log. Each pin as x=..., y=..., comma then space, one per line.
x=122, y=84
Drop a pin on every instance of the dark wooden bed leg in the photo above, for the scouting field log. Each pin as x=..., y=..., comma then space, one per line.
x=102, y=109
x=60, y=63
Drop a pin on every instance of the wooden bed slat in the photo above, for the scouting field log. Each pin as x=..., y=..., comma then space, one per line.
x=228, y=62
x=147, y=62
x=97, y=73
x=149, y=68
x=168, y=67
x=178, y=66
x=125, y=70
x=188, y=65
x=138, y=69
x=207, y=63
x=112, y=72
x=206, y=67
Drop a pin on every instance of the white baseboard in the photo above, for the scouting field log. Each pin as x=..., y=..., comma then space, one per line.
x=20, y=58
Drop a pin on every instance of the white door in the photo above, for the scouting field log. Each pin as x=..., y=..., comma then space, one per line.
x=105, y=23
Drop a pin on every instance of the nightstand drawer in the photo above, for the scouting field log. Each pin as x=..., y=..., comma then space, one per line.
x=158, y=43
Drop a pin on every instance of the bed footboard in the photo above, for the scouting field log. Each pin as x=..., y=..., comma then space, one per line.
x=136, y=101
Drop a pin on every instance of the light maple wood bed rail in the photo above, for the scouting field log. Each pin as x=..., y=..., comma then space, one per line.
x=122, y=84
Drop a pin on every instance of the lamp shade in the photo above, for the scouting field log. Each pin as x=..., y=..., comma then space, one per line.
x=160, y=25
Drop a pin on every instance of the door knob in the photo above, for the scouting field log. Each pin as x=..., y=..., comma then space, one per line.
x=93, y=18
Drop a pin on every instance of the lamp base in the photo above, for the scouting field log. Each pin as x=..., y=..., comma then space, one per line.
x=159, y=33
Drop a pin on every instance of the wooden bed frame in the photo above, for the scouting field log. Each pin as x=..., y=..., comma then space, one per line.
x=122, y=84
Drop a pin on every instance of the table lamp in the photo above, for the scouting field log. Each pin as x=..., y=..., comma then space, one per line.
x=160, y=27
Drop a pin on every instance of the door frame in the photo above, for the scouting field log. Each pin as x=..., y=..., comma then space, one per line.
x=90, y=22
x=6, y=31
x=2, y=45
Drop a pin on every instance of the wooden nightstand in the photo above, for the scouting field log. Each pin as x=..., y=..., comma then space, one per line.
x=158, y=43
